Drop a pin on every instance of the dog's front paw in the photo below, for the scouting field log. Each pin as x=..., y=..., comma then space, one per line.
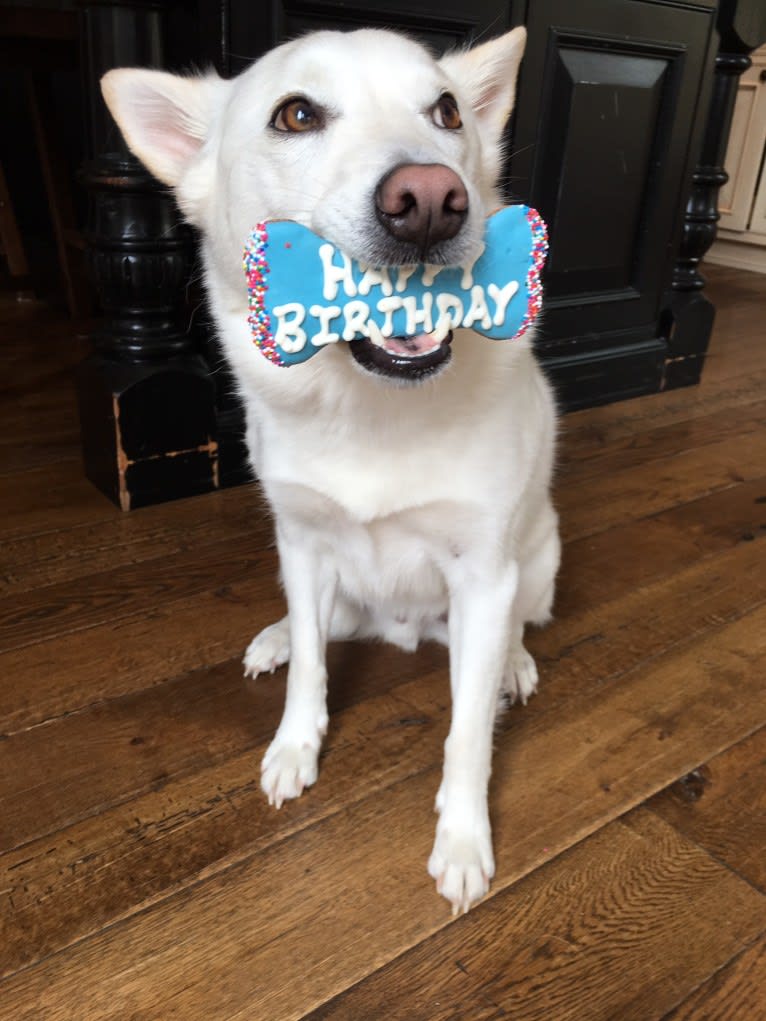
x=520, y=678
x=287, y=769
x=268, y=650
x=462, y=863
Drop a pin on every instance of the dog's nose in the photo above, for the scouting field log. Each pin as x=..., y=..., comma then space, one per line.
x=422, y=203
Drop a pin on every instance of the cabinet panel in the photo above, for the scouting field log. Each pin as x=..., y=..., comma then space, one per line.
x=603, y=104
x=736, y=195
x=758, y=218
x=744, y=153
x=603, y=146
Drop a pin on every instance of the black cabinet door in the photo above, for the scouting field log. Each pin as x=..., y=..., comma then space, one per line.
x=607, y=130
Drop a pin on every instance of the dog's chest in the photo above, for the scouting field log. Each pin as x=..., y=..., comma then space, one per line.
x=399, y=556
x=387, y=560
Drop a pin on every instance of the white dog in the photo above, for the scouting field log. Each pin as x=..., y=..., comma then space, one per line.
x=410, y=483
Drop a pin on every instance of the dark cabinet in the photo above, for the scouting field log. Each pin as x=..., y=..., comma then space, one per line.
x=615, y=140
x=606, y=137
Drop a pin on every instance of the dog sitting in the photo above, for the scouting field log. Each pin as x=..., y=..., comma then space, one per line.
x=409, y=480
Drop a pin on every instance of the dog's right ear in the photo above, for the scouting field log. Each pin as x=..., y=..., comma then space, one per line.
x=163, y=117
x=487, y=75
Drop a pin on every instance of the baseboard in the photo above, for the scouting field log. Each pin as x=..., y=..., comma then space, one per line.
x=737, y=255
x=610, y=374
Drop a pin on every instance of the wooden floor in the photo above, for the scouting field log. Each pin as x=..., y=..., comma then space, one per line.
x=144, y=877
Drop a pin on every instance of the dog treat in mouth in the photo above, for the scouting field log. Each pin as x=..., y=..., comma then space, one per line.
x=305, y=293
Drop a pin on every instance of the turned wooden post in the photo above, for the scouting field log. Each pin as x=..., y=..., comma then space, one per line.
x=689, y=314
x=147, y=402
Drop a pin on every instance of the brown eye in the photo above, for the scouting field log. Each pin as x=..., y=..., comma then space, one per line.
x=297, y=114
x=446, y=114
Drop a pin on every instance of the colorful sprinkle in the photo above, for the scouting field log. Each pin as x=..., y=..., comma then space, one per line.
x=534, y=286
x=257, y=270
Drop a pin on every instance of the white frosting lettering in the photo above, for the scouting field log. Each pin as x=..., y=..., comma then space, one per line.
x=418, y=317
x=334, y=275
x=355, y=315
x=478, y=311
x=443, y=326
x=375, y=277
x=430, y=273
x=373, y=332
x=324, y=313
x=403, y=275
x=289, y=334
x=433, y=312
x=467, y=279
x=501, y=296
x=451, y=306
x=388, y=306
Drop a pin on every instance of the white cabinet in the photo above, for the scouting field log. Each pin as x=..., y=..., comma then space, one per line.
x=741, y=238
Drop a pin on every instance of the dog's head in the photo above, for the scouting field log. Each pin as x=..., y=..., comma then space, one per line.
x=361, y=136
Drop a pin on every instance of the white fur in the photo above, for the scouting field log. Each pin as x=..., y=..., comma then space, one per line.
x=403, y=512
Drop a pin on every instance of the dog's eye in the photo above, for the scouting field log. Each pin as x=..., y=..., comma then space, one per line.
x=297, y=114
x=445, y=112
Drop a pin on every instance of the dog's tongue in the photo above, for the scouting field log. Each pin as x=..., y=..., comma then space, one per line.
x=412, y=347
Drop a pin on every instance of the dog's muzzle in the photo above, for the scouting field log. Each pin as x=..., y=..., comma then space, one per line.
x=405, y=358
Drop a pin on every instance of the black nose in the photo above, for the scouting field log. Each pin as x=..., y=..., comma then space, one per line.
x=422, y=203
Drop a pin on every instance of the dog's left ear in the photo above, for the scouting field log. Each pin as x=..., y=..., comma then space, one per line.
x=487, y=75
x=165, y=119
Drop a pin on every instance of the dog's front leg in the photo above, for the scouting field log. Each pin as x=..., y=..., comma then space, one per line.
x=290, y=763
x=479, y=621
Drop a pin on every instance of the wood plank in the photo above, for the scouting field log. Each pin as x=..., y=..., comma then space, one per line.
x=206, y=820
x=593, y=642
x=571, y=772
x=80, y=764
x=108, y=596
x=577, y=939
x=653, y=547
x=59, y=556
x=50, y=498
x=596, y=451
x=38, y=411
x=75, y=671
x=634, y=493
x=733, y=993
x=721, y=805
x=28, y=454
x=739, y=300
x=631, y=418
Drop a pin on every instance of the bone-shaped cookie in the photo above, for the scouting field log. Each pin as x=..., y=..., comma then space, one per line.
x=305, y=293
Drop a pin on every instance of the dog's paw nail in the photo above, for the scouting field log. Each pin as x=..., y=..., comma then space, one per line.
x=520, y=680
x=462, y=864
x=287, y=770
x=268, y=650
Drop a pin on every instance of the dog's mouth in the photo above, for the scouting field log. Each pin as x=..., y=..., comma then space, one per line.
x=406, y=358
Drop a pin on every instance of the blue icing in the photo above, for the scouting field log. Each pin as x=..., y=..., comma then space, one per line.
x=314, y=294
